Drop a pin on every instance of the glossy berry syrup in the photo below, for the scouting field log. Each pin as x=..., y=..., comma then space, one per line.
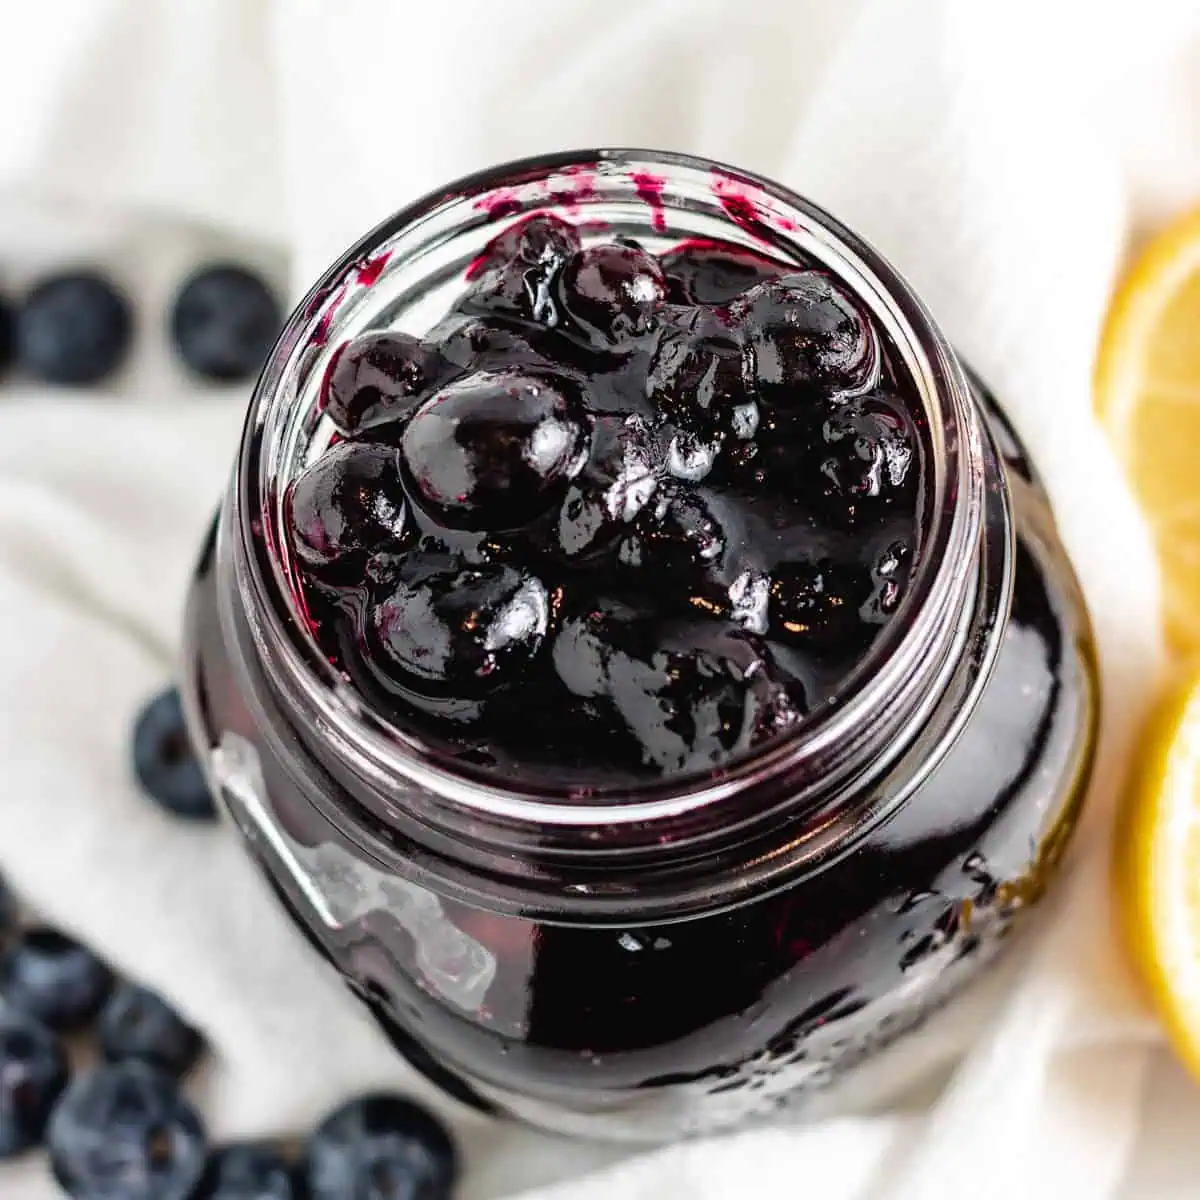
x=539, y=667
x=667, y=504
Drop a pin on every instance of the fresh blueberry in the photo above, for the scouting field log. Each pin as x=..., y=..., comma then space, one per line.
x=74, y=329
x=493, y=450
x=8, y=335
x=803, y=331
x=224, y=321
x=163, y=761
x=378, y=378
x=380, y=1147
x=690, y=696
x=123, y=1132
x=53, y=978
x=33, y=1073
x=250, y=1171
x=468, y=628
x=515, y=274
x=624, y=469
x=138, y=1023
x=711, y=272
x=350, y=501
x=9, y=912
x=613, y=291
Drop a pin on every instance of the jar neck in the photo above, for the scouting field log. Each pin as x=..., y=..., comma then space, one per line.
x=795, y=804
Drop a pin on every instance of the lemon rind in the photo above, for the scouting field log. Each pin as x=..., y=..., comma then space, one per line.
x=1145, y=293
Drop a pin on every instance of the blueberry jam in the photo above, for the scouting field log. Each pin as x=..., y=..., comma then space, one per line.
x=667, y=503
x=635, y=648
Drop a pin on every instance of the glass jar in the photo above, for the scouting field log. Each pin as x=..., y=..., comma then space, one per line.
x=688, y=952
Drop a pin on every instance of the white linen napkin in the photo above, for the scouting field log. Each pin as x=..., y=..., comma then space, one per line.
x=1001, y=154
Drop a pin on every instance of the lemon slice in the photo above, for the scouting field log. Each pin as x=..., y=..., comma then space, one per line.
x=1147, y=391
x=1158, y=869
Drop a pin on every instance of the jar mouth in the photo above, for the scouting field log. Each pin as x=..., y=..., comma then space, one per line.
x=282, y=417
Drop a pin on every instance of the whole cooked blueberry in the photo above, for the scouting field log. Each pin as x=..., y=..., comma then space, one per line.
x=696, y=379
x=74, y=329
x=624, y=468
x=349, y=501
x=804, y=329
x=515, y=273
x=447, y=625
x=33, y=1072
x=250, y=1171
x=712, y=272
x=613, y=291
x=9, y=913
x=123, y=1132
x=138, y=1023
x=53, y=978
x=224, y=320
x=683, y=536
x=816, y=604
x=494, y=449
x=164, y=763
x=867, y=449
x=890, y=565
x=8, y=335
x=378, y=378
x=490, y=343
x=691, y=695
x=380, y=1147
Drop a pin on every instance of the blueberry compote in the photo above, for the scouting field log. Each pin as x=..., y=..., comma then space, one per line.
x=636, y=651
x=667, y=505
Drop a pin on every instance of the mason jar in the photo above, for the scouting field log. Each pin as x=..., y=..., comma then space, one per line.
x=683, y=953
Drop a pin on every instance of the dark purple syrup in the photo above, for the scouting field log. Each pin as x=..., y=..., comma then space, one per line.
x=666, y=503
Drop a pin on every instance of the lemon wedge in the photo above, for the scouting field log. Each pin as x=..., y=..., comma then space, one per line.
x=1147, y=394
x=1158, y=868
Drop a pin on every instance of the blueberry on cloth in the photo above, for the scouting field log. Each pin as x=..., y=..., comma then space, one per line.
x=251, y=1171
x=380, y=1147
x=224, y=321
x=163, y=760
x=9, y=914
x=33, y=1073
x=8, y=334
x=138, y=1023
x=123, y=1132
x=51, y=977
x=74, y=329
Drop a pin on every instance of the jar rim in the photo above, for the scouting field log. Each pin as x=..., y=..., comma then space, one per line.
x=949, y=536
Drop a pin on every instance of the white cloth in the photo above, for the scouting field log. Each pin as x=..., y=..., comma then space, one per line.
x=1001, y=152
